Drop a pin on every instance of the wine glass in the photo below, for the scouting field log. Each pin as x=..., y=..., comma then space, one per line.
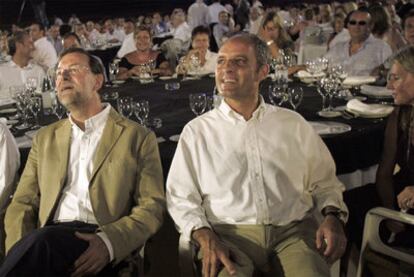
x=198, y=103
x=195, y=65
x=295, y=96
x=35, y=104
x=58, y=109
x=141, y=110
x=125, y=106
x=31, y=84
x=277, y=94
x=113, y=70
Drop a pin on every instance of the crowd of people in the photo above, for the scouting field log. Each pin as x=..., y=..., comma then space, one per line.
x=247, y=207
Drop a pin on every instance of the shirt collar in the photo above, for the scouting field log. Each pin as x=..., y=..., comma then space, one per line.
x=235, y=117
x=27, y=67
x=96, y=121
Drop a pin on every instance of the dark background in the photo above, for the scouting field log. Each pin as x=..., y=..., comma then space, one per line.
x=98, y=9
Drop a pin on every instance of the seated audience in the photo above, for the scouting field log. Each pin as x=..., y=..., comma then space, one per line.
x=130, y=65
x=73, y=212
x=112, y=35
x=340, y=34
x=200, y=43
x=395, y=175
x=20, y=67
x=362, y=54
x=9, y=164
x=44, y=54
x=247, y=206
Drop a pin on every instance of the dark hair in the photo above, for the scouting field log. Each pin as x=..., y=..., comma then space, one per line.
x=142, y=28
x=64, y=29
x=406, y=16
x=72, y=34
x=200, y=30
x=359, y=10
x=94, y=64
x=260, y=48
x=380, y=20
x=17, y=37
x=41, y=26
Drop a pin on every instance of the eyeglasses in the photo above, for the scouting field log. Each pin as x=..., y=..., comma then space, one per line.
x=360, y=23
x=71, y=70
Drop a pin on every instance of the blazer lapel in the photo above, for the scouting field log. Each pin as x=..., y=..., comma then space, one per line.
x=110, y=135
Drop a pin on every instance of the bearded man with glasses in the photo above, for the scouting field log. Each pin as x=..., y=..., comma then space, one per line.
x=362, y=54
x=79, y=209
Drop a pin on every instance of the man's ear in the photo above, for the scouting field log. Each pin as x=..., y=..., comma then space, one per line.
x=99, y=80
x=263, y=72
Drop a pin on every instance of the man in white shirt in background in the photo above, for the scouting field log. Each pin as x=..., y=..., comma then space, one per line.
x=113, y=35
x=362, y=54
x=55, y=38
x=128, y=45
x=45, y=54
x=197, y=14
x=78, y=209
x=181, y=29
x=9, y=164
x=247, y=179
x=213, y=11
x=255, y=19
x=21, y=67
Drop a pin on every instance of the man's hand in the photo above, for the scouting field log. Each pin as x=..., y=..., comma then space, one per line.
x=214, y=252
x=331, y=233
x=95, y=257
x=406, y=198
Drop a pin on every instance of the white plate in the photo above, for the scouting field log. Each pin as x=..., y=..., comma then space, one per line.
x=376, y=91
x=10, y=110
x=174, y=138
x=358, y=80
x=330, y=127
x=329, y=114
x=164, y=78
x=368, y=115
x=212, y=75
x=12, y=121
x=118, y=82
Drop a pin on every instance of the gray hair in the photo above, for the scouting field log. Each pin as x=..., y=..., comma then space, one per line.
x=261, y=51
x=405, y=57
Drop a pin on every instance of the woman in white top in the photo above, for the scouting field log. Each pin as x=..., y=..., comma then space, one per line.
x=200, y=43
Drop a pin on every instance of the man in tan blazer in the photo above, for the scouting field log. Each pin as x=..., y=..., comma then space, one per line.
x=92, y=189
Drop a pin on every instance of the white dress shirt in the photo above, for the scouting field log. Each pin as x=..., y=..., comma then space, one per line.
x=182, y=32
x=372, y=54
x=13, y=75
x=9, y=164
x=272, y=169
x=44, y=53
x=341, y=37
x=75, y=203
x=197, y=14
x=128, y=46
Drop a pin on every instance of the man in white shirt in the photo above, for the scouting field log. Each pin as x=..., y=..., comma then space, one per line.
x=247, y=178
x=55, y=38
x=362, y=54
x=79, y=209
x=45, y=53
x=197, y=14
x=9, y=164
x=20, y=67
x=113, y=35
x=181, y=29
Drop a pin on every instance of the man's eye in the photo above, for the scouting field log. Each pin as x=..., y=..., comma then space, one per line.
x=241, y=62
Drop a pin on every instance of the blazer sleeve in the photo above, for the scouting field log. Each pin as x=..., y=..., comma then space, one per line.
x=146, y=216
x=22, y=213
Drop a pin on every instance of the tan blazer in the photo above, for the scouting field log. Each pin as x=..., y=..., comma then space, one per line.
x=126, y=187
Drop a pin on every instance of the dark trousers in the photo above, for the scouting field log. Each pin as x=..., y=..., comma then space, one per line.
x=50, y=251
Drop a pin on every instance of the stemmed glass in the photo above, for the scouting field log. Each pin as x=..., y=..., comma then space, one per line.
x=195, y=64
x=277, y=93
x=295, y=96
x=31, y=84
x=141, y=110
x=35, y=104
x=125, y=106
x=113, y=70
x=58, y=109
x=198, y=103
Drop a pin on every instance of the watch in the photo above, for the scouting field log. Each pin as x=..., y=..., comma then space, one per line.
x=334, y=211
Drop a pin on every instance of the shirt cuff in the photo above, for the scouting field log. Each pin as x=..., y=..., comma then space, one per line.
x=192, y=226
x=108, y=244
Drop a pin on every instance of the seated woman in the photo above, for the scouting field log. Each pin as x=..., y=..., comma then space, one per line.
x=200, y=43
x=392, y=190
x=276, y=38
x=131, y=64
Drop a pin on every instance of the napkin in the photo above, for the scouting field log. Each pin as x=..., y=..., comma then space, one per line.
x=368, y=109
x=306, y=74
x=376, y=91
x=320, y=128
x=358, y=80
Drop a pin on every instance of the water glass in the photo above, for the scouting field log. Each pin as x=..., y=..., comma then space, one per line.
x=198, y=103
x=141, y=110
x=31, y=84
x=277, y=94
x=125, y=106
x=35, y=105
x=58, y=109
x=295, y=96
x=113, y=70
